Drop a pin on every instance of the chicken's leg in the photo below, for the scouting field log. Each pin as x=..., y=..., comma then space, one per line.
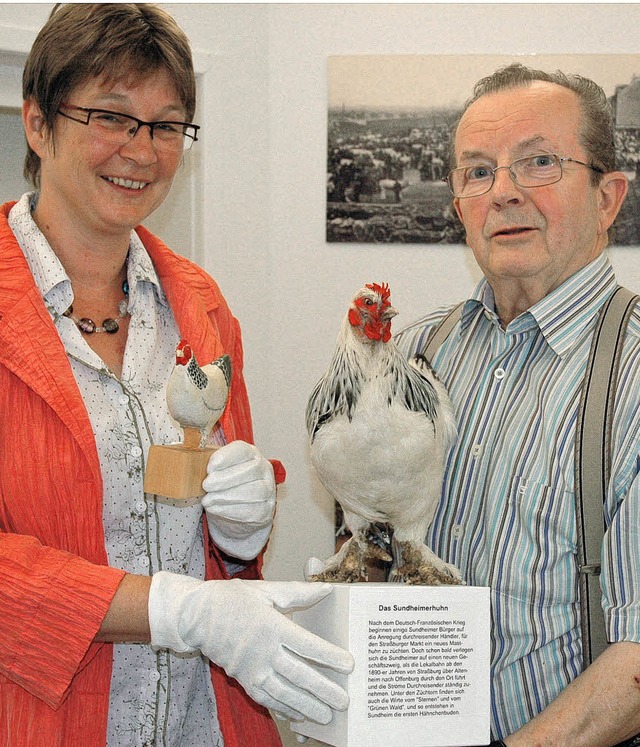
x=348, y=565
x=415, y=563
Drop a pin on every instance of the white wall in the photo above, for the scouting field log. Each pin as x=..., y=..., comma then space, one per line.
x=263, y=155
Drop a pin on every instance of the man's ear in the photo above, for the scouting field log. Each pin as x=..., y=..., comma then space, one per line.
x=456, y=205
x=34, y=127
x=611, y=193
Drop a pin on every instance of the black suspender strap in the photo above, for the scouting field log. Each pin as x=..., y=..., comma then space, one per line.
x=593, y=461
x=592, y=452
x=441, y=332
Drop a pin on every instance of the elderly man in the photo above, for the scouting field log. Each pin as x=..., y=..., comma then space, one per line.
x=535, y=188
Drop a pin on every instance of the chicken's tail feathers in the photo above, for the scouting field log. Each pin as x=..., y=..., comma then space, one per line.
x=224, y=364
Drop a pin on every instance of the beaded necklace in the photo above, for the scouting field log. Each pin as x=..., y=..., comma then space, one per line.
x=110, y=324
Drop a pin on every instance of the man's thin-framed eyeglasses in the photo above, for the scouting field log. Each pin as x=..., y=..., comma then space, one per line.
x=120, y=128
x=528, y=172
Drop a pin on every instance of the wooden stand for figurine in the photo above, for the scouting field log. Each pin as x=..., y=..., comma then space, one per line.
x=177, y=470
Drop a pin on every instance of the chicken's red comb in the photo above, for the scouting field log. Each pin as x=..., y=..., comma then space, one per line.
x=383, y=290
x=183, y=351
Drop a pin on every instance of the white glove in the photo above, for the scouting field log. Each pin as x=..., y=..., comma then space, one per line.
x=238, y=625
x=240, y=499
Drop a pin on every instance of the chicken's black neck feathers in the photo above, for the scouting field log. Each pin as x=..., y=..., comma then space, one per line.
x=338, y=392
x=413, y=387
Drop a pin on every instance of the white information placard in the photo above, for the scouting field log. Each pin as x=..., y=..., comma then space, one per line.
x=422, y=655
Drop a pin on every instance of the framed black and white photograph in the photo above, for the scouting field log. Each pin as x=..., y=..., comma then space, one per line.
x=389, y=126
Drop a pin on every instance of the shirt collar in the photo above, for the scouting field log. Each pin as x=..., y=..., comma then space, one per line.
x=563, y=315
x=48, y=272
x=141, y=270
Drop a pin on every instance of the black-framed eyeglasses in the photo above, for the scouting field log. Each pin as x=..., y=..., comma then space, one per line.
x=119, y=128
x=531, y=171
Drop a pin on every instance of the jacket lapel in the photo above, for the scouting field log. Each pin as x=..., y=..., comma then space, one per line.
x=30, y=346
x=191, y=298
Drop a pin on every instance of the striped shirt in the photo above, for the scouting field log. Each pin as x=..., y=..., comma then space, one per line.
x=507, y=515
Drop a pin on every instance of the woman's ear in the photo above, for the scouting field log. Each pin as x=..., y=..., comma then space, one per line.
x=34, y=127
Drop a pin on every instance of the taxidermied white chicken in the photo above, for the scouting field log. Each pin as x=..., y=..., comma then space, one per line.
x=197, y=396
x=379, y=428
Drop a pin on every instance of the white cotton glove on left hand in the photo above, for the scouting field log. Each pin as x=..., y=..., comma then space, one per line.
x=240, y=499
x=240, y=626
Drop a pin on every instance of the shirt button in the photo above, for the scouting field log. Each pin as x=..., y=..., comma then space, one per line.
x=123, y=399
x=456, y=531
x=154, y=676
x=141, y=507
x=499, y=373
x=476, y=450
x=136, y=451
x=143, y=561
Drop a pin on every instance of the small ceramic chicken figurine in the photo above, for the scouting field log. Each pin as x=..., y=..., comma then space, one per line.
x=196, y=398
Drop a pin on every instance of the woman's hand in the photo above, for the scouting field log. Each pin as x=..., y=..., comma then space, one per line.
x=240, y=499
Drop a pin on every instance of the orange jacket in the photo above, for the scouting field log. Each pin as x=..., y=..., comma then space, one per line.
x=55, y=585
